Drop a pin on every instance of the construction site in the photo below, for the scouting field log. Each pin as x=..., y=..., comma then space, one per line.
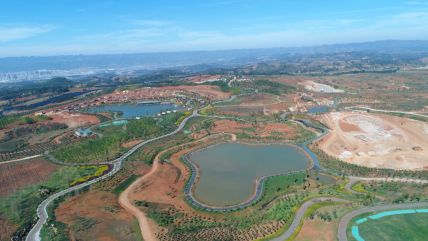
x=376, y=140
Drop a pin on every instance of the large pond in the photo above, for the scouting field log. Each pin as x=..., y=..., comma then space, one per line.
x=228, y=171
x=135, y=110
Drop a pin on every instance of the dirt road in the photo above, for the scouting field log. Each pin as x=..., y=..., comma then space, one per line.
x=34, y=234
x=124, y=201
x=128, y=205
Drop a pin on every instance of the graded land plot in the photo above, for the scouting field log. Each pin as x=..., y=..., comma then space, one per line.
x=321, y=223
x=208, y=91
x=375, y=140
x=408, y=89
x=322, y=88
x=258, y=131
x=100, y=218
x=73, y=120
x=15, y=176
x=17, y=209
x=263, y=104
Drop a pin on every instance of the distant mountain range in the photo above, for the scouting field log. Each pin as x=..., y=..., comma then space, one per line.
x=36, y=68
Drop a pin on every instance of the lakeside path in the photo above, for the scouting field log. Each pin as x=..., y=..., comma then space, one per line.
x=127, y=204
x=343, y=224
x=34, y=234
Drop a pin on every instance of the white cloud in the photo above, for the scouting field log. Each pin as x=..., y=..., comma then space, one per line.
x=11, y=33
x=163, y=35
x=418, y=3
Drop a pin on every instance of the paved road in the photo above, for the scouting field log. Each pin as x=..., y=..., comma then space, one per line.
x=21, y=159
x=298, y=218
x=128, y=205
x=341, y=233
x=353, y=180
x=388, y=111
x=34, y=234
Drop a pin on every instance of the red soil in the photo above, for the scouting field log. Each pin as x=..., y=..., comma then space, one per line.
x=111, y=221
x=347, y=127
x=74, y=120
x=130, y=144
x=6, y=228
x=18, y=175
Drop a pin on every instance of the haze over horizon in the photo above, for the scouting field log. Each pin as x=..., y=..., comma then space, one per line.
x=68, y=27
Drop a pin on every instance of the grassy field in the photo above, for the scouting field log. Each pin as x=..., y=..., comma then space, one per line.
x=19, y=207
x=396, y=228
x=125, y=184
x=5, y=121
x=109, y=146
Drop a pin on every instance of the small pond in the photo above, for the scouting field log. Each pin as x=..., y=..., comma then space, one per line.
x=319, y=109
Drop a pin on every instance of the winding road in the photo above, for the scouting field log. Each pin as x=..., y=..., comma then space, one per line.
x=128, y=205
x=34, y=234
x=300, y=214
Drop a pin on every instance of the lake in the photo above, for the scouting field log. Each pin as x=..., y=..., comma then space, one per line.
x=228, y=171
x=134, y=110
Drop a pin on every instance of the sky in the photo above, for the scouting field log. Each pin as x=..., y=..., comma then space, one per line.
x=62, y=27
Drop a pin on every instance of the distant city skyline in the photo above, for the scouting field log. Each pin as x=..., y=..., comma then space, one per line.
x=45, y=27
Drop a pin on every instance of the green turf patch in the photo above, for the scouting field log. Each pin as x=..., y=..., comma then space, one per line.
x=125, y=184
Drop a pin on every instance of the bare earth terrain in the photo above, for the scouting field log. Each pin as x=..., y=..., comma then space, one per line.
x=18, y=175
x=375, y=140
x=96, y=216
x=74, y=120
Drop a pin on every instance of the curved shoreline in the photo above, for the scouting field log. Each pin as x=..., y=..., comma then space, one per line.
x=259, y=183
x=258, y=186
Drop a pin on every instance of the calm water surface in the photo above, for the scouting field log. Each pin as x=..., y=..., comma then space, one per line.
x=228, y=171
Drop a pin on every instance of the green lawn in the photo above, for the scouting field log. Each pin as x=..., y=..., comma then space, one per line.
x=109, y=146
x=396, y=228
x=19, y=207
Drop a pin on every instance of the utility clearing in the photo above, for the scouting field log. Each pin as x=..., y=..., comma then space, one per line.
x=376, y=140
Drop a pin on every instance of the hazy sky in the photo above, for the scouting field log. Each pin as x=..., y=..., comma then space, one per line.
x=55, y=27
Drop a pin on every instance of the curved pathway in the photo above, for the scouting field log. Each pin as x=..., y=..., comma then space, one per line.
x=300, y=214
x=127, y=204
x=21, y=159
x=344, y=221
x=387, y=111
x=34, y=234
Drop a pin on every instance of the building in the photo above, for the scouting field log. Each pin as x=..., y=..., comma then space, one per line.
x=82, y=132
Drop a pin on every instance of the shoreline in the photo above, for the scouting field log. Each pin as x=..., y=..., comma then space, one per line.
x=258, y=183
